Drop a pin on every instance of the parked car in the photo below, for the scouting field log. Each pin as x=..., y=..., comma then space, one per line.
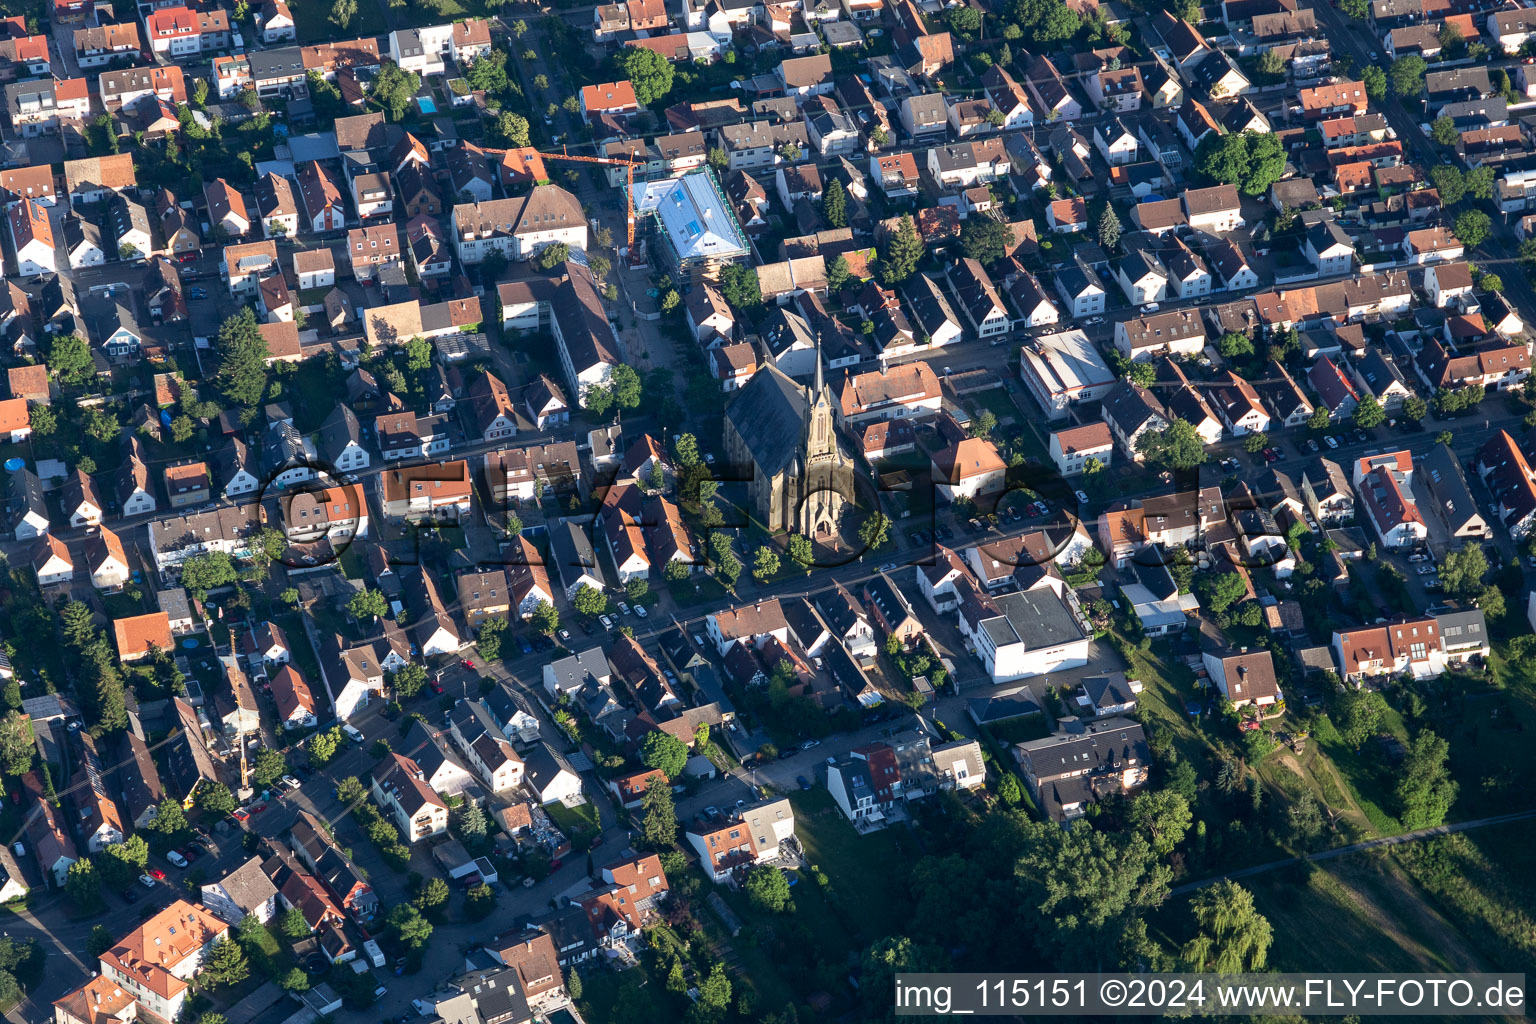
x=175, y=857
x=607, y=622
x=1331, y=441
x=157, y=874
x=623, y=608
x=148, y=880
x=810, y=744
x=803, y=781
x=640, y=611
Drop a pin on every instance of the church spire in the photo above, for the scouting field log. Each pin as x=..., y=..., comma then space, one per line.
x=820, y=382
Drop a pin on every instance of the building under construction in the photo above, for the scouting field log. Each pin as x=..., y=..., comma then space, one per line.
x=689, y=222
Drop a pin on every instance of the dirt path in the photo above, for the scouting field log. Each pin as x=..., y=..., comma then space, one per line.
x=1370, y=844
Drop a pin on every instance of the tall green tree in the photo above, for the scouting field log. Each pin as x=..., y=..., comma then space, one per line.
x=1369, y=413
x=834, y=204
x=986, y=240
x=69, y=360
x=649, y=72
x=903, y=251
x=664, y=751
x=658, y=824
x=1251, y=160
x=242, y=373
x=393, y=87
x=741, y=288
x=1109, y=228
x=1407, y=75
x=1232, y=936
x=1176, y=446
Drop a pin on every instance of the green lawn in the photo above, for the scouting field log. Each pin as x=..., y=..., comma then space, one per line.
x=312, y=21
x=580, y=824
x=622, y=995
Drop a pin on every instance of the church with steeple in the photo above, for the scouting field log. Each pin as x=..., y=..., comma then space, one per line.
x=785, y=436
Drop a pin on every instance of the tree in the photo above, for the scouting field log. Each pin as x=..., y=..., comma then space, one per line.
x=834, y=204
x=658, y=826
x=1304, y=820
x=1415, y=408
x=122, y=862
x=268, y=766
x=1425, y=790
x=664, y=751
x=589, y=601
x=649, y=72
x=1462, y=571
x=343, y=11
x=902, y=252
x=42, y=420
x=545, y=618
x=767, y=888
x=242, y=373
x=984, y=423
x=1488, y=283
x=69, y=360
x=489, y=72
x=170, y=819
x=513, y=128
x=1271, y=63
x=479, y=902
x=1443, y=130
x=740, y=287
x=765, y=564
x=986, y=240
x=1407, y=75
x=791, y=152
x=394, y=88
x=875, y=530
x=100, y=940
x=182, y=429
x=964, y=21
x=727, y=567
x=292, y=923
x=434, y=893
x=1163, y=816
x=1373, y=77
x=1109, y=228
x=1219, y=591
x=1357, y=715
x=367, y=604
x=1357, y=9
x=1251, y=160
x=295, y=980
x=17, y=743
x=838, y=277
x=1232, y=937
x=1479, y=181
x=1320, y=418
x=410, y=929
x=208, y=571
x=226, y=963
x=215, y=798
x=1176, y=446
x=1448, y=181
x=489, y=636
x=1255, y=442
x=82, y=884
x=551, y=256
x=410, y=678
x=1369, y=413
x=1235, y=345
x=800, y=550
x=1473, y=228
x=323, y=746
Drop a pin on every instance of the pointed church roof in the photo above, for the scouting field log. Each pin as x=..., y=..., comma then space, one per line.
x=769, y=417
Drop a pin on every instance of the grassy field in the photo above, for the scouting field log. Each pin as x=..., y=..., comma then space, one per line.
x=313, y=24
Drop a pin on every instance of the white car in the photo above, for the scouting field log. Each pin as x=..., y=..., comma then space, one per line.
x=148, y=881
x=623, y=608
x=1425, y=570
x=289, y=782
x=810, y=744
x=1082, y=497
x=1331, y=441
x=640, y=611
x=607, y=622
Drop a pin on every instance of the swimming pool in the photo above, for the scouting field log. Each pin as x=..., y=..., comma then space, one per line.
x=427, y=104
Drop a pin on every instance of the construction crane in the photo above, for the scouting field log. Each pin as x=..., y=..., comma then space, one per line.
x=629, y=199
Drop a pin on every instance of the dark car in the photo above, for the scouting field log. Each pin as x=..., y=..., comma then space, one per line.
x=785, y=755
x=803, y=781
